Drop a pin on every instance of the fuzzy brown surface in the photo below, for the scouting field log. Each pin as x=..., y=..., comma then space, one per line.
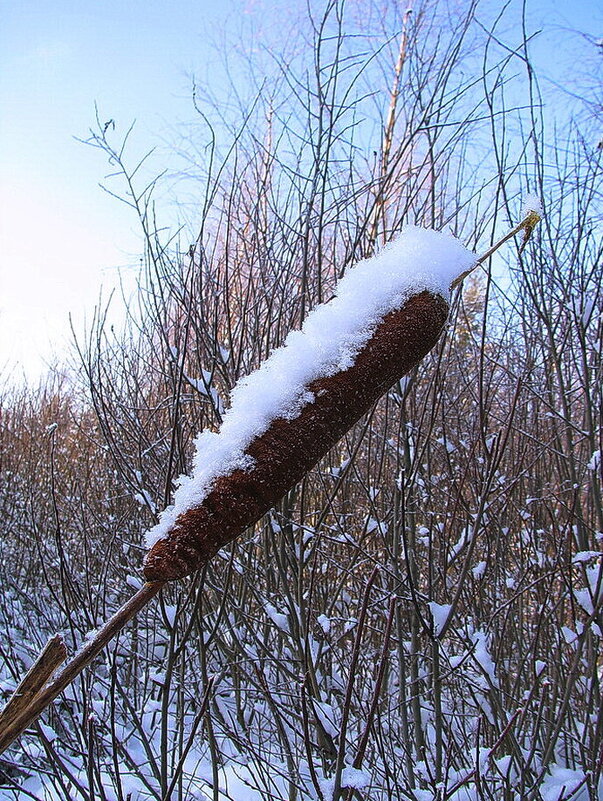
x=289, y=448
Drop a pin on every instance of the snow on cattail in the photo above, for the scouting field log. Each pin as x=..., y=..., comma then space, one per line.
x=387, y=314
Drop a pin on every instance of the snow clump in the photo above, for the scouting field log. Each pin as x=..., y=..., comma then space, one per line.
x=532, y=203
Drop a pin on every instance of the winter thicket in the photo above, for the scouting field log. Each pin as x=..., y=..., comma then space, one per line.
x=420, y=618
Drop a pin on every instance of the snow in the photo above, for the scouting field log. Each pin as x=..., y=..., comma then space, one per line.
x=479, y=570
x=170, y=613
x=49, y=734
x=463, y=540
x=532, y=203
x=327, y=717
x=595, y=461
x=235, y=783
x=202, y=385
x=351, y=778
x=278, y=618
x=240, y=778
x=440, y=614
x=568, y=635
x=585, y=556
x=354, y=778
x=482, y=656
x=90, y=635
x=591, y=595
x=144, y=499
x=503, y=764
x=332, y=335
x=134, y=582
x=325, y=623
x=561, y=782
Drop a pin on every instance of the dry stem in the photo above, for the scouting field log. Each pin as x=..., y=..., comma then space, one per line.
x=529, y=222
x=53, y=655
x=12, y=726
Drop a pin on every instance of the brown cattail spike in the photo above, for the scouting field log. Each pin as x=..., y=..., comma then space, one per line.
x=290, y=447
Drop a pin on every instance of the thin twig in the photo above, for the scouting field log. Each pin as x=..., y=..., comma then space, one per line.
x=529, y=222
x=471, y=774
x=16, y=726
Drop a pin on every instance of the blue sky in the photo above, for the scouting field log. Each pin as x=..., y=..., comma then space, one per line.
x=61, y=237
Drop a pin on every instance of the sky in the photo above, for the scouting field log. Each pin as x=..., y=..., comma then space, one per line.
x=61, y=237
x=63, y=241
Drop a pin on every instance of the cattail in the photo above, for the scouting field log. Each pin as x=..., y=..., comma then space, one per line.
x=387, y=314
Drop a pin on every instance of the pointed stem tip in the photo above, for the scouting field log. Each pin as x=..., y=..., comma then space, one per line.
x=527, y=225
